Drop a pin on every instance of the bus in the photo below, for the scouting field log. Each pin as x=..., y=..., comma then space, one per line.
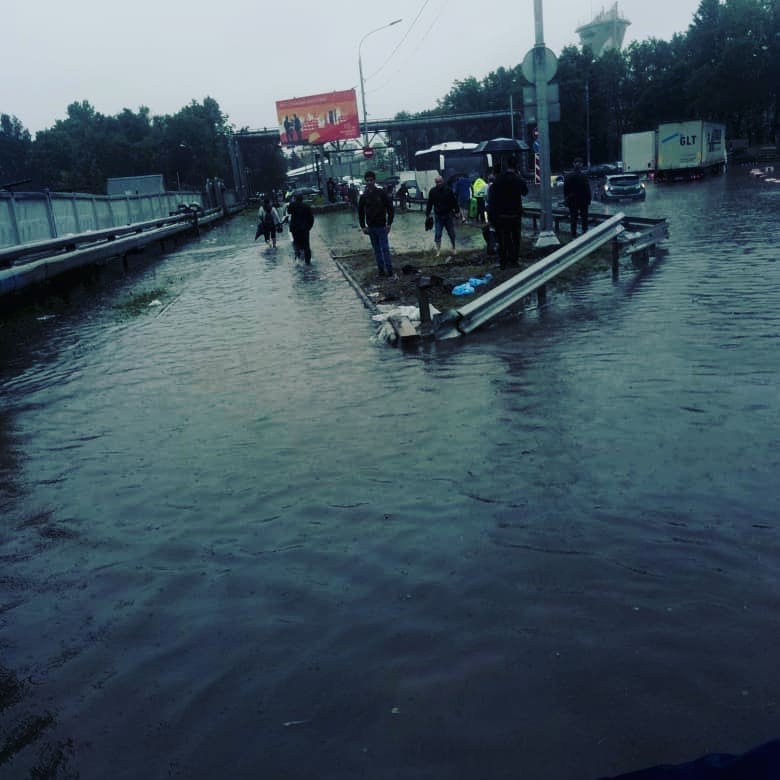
x=447, y=159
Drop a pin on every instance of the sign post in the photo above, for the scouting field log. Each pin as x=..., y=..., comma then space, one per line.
x=539, y=67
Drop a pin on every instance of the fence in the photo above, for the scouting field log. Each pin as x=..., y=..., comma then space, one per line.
x=27, y=217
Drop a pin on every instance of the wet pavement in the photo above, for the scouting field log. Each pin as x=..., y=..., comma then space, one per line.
x=242, y=538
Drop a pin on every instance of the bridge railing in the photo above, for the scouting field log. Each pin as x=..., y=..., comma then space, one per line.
x=29, y=217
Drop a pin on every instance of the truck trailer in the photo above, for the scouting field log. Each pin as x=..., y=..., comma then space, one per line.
x=639, y=152
x=688, y=150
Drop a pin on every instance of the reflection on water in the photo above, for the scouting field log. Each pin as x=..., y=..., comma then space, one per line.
x=240, y=538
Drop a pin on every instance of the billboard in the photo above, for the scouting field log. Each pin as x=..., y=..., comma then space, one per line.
x=318, y=119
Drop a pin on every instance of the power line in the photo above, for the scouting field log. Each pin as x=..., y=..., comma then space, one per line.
x=400, y=43
x=416, y=49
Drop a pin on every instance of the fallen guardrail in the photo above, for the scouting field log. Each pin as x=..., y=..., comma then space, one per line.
x=458, y=322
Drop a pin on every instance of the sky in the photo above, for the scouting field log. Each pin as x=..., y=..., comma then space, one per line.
x=247, y=54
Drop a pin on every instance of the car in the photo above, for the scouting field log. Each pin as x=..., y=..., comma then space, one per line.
x=622, y=186
x=411, y=186
x=308, y=193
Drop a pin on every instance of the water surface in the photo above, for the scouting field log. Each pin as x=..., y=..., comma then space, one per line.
x=240, y=538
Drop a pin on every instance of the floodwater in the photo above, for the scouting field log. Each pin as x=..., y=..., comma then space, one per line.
x=241, y=539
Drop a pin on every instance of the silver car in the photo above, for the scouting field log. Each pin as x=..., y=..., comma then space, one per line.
x=622, y=186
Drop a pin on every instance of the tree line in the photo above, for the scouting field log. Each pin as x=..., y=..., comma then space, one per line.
x=81, y=151
x=725, y=68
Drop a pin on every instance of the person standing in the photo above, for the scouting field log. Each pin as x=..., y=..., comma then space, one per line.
x=463, y=194
x=506, y=212
x=479, y=188
x=403, y=196
x=577, y=196
x=268, y=219
x=444, y=204
x=375, y=214
x=301, y=222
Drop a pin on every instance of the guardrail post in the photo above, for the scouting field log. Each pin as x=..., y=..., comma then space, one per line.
x=50, y=215
x=541, y=295
x=76, y=219
x=423, y=285
x=615, y=257
x=14, y=222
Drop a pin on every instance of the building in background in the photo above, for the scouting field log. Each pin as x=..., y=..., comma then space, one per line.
x=605, y=31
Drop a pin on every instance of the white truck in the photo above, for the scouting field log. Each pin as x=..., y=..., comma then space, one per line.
x=690, y=149
x=639, y=152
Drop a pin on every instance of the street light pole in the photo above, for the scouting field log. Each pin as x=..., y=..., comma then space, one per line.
x=362, y=84
x=587, y=121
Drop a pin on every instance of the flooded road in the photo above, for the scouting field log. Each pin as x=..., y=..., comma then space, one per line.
x=240, y=539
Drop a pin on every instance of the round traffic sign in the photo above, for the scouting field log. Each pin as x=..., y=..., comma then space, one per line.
x=545, y=59
x=368, y=152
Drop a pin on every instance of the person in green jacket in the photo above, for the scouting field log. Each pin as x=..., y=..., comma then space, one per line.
x=479, y=188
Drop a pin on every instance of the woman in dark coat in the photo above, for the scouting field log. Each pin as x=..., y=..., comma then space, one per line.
x=301, y=222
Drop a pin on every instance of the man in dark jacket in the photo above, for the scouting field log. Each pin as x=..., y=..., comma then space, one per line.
x=301, y=222
x=444, y=204
x=375, y=214
x=505, y=212
x=576, y=195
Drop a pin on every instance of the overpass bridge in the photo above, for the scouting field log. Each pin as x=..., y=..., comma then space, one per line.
x=502, y=121
x=409, y=135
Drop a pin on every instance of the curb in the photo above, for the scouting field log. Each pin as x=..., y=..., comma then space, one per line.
x=367, y=302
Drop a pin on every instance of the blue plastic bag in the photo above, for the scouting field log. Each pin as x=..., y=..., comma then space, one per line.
x=463, y=289
x=476, y=281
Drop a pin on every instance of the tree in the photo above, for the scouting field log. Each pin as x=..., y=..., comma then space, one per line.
x=15, y=145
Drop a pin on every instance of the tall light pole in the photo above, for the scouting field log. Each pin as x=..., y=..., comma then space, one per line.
x=547, y=236
x=587, y=121
x=362, y=85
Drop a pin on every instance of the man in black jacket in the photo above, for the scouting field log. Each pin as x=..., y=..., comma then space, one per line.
x=577, y=196
x=375, y=214
x=301, y=222
x=505, y=212
x=442, y=200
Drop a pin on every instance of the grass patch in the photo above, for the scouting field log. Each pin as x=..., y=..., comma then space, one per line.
x=142, y=302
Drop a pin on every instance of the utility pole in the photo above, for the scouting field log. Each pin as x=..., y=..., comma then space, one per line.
x=547, y=236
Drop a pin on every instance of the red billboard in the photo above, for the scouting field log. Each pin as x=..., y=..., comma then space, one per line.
x=318, y=119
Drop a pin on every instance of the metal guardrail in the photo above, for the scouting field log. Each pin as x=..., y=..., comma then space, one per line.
x=42, y=260
x=458, y=322
x=14, y=254
x=27, y=217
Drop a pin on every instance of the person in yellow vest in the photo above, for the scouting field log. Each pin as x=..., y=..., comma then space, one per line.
x=479, y=189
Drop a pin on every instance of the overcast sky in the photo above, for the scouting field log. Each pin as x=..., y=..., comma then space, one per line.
x=247, y=54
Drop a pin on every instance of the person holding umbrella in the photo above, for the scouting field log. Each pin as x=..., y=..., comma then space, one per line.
x=506, y=212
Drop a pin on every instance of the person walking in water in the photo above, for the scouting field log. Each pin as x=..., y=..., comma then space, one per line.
x=577, y=196
x=301, y=222
x=375, y=214
x=268, y=220
x=444, y=204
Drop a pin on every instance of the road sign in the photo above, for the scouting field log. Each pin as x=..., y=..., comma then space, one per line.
x=368, y=152
x=553, y=104
x=549, y=65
